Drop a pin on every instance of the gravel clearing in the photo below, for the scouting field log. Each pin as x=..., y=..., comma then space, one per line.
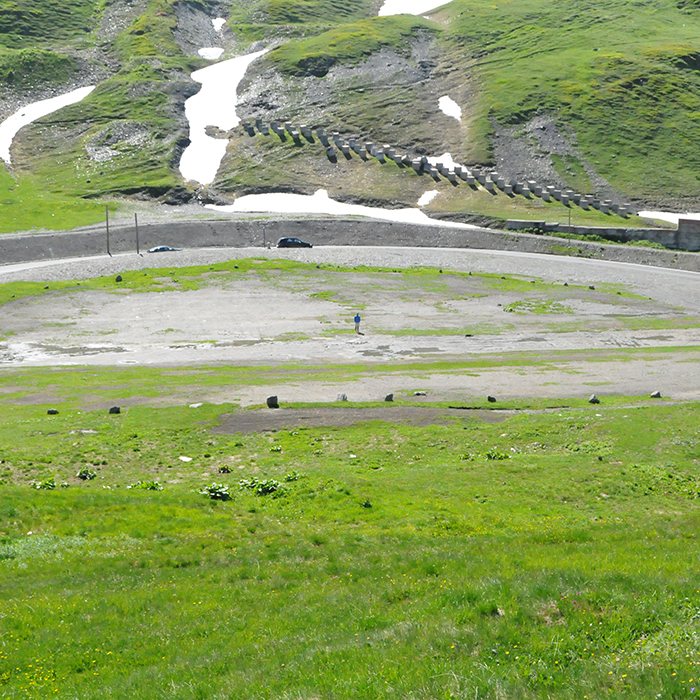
x=677, y=287
x=286, y=320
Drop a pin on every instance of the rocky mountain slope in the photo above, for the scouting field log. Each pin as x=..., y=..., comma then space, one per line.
x=600, y=98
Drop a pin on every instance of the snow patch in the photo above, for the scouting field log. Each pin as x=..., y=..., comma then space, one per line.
x=211, y=53
x=34, y=111
x=409, y=7
x=450, y=107
x=218, y=23
x=445, y=159
x=321, y=203
x=213, y=105
x=427, y=197
x=667, y=216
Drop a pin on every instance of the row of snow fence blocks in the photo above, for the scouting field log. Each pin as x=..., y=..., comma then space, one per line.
x=333, y=141
x=330, y=142
x=452, y=174
x=492, y=181
x=548, y=193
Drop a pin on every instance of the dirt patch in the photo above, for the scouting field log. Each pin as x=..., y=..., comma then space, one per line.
x=292, y=418
x=37, y=399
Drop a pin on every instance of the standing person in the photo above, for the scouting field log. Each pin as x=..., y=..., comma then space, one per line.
x=357, y=324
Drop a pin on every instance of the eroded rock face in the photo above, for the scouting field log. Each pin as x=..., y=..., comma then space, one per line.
x=389, y=98
x=118, y=16
x=524, y=152
x=194, y=30
x=266, y=94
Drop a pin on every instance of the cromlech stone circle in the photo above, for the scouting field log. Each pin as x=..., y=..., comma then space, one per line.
x=474, y=177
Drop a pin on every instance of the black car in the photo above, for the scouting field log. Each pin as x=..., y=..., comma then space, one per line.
x=293, y=243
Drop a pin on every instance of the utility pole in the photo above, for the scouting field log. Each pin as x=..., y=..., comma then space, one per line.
x=107, y=226
x=136, y=226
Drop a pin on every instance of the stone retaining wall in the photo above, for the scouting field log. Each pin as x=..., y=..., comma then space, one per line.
x=685, y=237
x=239, y=233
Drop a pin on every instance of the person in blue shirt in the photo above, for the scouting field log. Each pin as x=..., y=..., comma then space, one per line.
x=357, y=324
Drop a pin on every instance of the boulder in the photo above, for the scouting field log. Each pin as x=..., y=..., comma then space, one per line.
x=389, y=397
x=118, y=278
x=656, y=395
x=420, y=393
x=594, y=399
x=272, y=402
x=341, y=397
x=115, y=410
x=491, y=399
x=52, y=412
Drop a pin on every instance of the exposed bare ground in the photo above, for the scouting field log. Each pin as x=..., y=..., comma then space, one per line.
x=588, y=341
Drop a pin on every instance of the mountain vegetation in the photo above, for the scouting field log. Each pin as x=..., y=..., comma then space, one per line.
x=603, y=99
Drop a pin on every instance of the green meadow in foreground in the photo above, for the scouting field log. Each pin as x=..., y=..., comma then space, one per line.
x=512, y=554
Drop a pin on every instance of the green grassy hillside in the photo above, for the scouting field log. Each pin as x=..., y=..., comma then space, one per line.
x=625, y=76
x=137, y=112
x=19, y=66
x=280, y=20
x=621, y=82
x=24, y=23
x=349, y=44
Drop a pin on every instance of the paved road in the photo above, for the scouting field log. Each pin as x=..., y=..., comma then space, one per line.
x=322, y=231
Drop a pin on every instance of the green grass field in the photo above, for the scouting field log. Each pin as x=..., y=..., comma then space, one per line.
x=531, y=548
x=543, y=555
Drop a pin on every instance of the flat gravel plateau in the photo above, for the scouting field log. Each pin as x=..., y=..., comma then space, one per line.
x=589, y=339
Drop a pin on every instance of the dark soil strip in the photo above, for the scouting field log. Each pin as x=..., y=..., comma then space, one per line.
x=293, y=418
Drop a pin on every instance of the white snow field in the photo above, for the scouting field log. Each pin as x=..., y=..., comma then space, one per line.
x=427, y=197
x=210, y=52
x=667, y=216
x=449, y=107
x=445, y=159
x=321, y=203
x=32, y=112
x=409, y=7
x=213, y=105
